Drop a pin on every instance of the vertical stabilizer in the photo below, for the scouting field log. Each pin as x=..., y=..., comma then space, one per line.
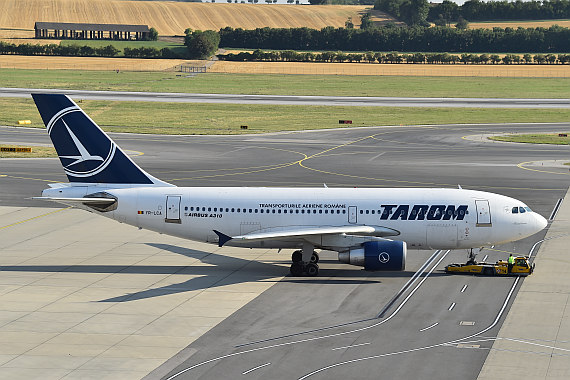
x=86, y=153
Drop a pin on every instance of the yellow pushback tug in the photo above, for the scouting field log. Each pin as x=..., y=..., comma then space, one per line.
x=521, y=267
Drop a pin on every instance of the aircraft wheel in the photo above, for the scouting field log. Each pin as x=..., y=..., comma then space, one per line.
x=312, y=270
x=297, y=256
x=296, y=269
x=315, y=258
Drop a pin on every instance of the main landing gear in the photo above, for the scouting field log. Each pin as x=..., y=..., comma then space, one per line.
x=305, y=262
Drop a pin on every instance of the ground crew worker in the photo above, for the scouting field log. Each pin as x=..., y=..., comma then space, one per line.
x=511, y=262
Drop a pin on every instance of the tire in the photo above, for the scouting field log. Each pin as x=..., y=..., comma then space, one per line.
x=312, y=270
x=296, y=269
x=315, y=258
x=297, y=256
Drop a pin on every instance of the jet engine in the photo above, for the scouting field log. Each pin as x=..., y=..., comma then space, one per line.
x=388, y=255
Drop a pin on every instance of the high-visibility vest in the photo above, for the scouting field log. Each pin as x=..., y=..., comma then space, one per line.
x=511, y=260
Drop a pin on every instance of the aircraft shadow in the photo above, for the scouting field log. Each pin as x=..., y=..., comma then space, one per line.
x=220, y=271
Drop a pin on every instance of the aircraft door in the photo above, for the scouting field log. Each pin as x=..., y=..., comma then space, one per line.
x=173, y=209
x=483, y=213
x=352, y=214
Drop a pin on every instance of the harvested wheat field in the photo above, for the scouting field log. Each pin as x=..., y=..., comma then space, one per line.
x=172, y=18
x=516, y=24
x=90, y=63
x=530, y=71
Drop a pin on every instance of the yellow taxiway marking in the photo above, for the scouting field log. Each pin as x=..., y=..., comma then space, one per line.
x=522, y=166
x=35, y=217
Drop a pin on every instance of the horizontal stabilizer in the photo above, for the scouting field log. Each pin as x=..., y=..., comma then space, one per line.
x=78, y=200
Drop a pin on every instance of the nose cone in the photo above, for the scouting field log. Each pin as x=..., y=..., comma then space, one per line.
x=540, y=222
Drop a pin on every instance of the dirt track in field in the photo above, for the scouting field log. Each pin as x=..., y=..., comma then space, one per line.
x=516, y=24
x=458, y=70
x=132, y=64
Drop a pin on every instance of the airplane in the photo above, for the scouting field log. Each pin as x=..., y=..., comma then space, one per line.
x=368, y=227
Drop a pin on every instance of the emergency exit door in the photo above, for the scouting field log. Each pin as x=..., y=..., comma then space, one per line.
x=483, y=213
x=173, y=209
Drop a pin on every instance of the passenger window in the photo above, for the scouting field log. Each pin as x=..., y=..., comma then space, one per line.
x=233, y=209
x=361, y=211
x=373, y=212
x=367, y=212
x=320, y=211
x=191, y=208
x=250, y=211
x=209, y=209
x=203, y=208
x=279, y=211
x=296, y=211
x=344, y=211
x=256, y=211
x=303, y=211
x=227, y=209
x=273, y=211
x=326, y=211
x=261, y=211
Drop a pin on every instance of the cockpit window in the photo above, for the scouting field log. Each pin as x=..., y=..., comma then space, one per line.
x=528, y=209
x=521, y=210
x=515, y=210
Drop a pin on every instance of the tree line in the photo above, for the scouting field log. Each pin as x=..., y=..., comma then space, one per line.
x=477, y=10
x=84, y=51
x=394, y=57
x=404, y=39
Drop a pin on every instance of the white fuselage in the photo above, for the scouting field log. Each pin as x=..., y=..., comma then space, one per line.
x=424, y=218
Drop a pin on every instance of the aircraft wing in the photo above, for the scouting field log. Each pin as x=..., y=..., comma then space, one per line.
x=302, y=231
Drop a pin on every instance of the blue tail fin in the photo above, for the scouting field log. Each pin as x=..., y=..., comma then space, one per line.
x=87, y=154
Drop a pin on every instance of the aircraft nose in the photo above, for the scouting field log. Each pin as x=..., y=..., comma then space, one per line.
x=540, y=222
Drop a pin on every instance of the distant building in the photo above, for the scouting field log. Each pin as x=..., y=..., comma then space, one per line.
x=68, y=30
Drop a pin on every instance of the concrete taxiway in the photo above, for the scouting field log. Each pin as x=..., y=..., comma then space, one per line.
x=356, y=101
x=87, y=297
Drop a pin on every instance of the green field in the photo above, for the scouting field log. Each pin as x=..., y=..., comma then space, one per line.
x=180, y=118
x=176, y=47
x=534, y=139
x=289, y=84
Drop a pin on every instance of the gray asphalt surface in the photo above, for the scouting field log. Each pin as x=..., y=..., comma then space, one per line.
x=295, y=100
x=422, y=335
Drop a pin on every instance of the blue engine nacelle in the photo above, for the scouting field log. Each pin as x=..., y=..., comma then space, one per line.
x=377, y=255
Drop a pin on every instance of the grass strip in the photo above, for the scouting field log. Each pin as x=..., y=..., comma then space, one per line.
x=37, y=152
x=195, y=118
x=281, y=84
x=551, y=138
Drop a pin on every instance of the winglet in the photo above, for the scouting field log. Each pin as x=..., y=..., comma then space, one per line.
x=222, y=238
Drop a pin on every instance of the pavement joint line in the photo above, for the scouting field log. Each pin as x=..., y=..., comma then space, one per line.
x=35, y=217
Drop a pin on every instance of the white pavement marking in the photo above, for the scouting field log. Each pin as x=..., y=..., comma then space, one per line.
x=351, y=346
x=451, y=306
x=378, y=155
x=463, y=288
x=254, y=368
x=430, y=326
